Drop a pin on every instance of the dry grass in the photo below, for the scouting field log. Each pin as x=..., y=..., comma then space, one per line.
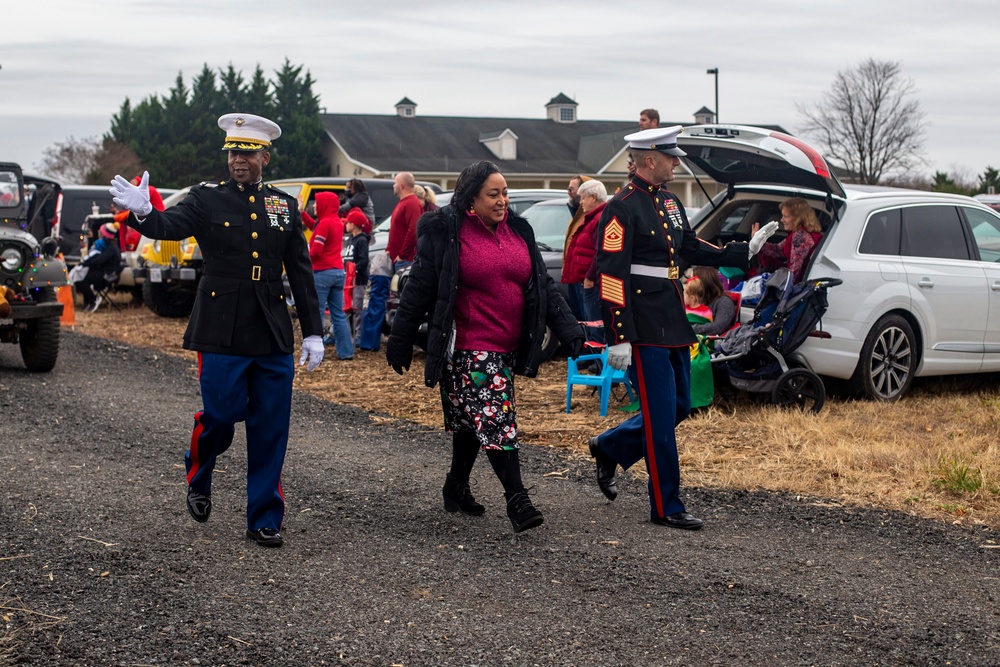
x=935, y=453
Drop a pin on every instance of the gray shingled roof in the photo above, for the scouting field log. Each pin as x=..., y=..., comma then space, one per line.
x=449, y=143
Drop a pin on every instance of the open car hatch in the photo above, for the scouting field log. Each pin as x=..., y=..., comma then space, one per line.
x=739, y=155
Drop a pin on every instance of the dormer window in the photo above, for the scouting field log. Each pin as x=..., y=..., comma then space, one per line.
x=406, y=108
x=561, y=109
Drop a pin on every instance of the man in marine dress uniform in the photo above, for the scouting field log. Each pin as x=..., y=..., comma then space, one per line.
x=240, y=325
x=642, y=233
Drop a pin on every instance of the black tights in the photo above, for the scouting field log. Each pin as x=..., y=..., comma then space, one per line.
x=505, y=462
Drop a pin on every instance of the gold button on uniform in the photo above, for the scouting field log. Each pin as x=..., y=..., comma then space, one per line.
x=638, y=291
x=254, y=235
x=225, y=224
x=281, y=229
x=618, y=312
x=252, y=200
x=253, y=216
x=619, y=325
x=255, y=254
x=213, y=295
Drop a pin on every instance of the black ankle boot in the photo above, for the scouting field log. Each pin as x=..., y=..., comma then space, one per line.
x=458, y=497
x=521, y=512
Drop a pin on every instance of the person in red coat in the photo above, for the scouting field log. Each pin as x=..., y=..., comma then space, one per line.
x=580, y=250
x=325, y=250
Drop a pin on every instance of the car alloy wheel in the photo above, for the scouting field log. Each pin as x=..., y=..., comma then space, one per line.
x=888, y=360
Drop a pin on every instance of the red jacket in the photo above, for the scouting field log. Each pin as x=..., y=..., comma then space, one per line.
x=403, y=228
x=580, y=252
x=328, y=237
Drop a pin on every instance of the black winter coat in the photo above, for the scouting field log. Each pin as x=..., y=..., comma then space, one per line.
x=433, y=284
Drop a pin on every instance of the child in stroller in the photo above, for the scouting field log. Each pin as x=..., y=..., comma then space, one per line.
x=758, y=356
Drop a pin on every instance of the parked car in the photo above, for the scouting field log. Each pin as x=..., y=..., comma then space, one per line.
x=29, y=267
x=921, y=279
x=993, y=201
x=379, y=189
x=167, y=272
x=520, y=200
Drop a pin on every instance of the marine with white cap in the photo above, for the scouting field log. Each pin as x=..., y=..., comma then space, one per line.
x=642, y=233
x=249, y=234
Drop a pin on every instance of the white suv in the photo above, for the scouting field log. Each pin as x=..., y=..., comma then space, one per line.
x=921, y=278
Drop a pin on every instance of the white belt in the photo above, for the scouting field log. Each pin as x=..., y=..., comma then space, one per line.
x=670, y=273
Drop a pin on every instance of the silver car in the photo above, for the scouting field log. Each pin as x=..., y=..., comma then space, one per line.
x=921, y=278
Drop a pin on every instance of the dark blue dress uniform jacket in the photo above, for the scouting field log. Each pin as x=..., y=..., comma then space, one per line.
x=246, y=234
x=647, y=226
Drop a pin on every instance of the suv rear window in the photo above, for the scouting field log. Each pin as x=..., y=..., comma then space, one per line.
x=881, y=234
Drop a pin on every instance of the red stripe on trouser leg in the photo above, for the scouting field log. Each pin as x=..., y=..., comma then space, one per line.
x=647, y=428
x=195, y=459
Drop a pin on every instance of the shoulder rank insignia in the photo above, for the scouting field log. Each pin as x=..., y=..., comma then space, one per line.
x=614, y=236
x=612, y=290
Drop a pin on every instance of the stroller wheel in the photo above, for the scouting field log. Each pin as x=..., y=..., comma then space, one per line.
x=799, y=388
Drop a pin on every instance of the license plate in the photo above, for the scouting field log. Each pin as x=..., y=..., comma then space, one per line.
x=155, y=276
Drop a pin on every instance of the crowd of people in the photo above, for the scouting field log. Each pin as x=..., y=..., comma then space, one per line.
x=478, y=281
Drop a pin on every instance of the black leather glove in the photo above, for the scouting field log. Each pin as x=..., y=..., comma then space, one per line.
x=399, y=355
x=575, y=348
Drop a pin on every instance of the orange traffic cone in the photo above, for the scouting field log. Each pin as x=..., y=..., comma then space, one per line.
x=65, y=296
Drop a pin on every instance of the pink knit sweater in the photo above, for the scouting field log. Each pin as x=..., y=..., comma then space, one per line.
x=494, y=269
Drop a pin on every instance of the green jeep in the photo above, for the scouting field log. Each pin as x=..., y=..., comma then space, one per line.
x=29, y=267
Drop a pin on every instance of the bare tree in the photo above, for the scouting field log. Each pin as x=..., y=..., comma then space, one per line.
x=89, y=161
x=70, y=161
x=867, y=121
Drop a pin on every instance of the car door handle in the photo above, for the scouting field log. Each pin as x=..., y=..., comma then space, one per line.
x=995, y=286
x=925, y=282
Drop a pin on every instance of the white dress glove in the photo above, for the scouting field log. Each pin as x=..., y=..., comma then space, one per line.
x=620, y=356
x=133, y=197
x=761, y=237
x=312, y=350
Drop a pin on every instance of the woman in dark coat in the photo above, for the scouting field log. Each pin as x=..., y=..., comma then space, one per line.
x=480, y=276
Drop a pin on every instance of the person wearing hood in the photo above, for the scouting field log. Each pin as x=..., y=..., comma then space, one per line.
x=356, y=196
x=325, y=251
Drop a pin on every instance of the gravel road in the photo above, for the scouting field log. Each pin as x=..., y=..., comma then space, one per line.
x=101, y=564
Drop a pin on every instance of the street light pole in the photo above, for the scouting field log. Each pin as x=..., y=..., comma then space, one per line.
x=715, y=71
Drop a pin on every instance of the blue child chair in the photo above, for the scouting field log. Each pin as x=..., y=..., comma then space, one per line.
x=604, y=381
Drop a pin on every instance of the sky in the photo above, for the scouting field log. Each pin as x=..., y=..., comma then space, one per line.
x=69, y=65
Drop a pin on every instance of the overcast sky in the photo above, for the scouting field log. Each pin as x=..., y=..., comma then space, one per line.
x=66, y=66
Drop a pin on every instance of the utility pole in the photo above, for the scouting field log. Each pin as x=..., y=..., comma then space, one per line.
x=715, y=71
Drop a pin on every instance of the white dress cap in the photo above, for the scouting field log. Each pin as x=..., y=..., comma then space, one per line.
x=247, y=132
x=663, y=139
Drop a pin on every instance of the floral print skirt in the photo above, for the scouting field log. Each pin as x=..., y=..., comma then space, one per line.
x=477, y=392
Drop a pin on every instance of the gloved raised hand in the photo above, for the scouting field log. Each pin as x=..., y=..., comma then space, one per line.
x=575, y=348
x=761, y=237
x=620, y=356
x=133, y=197
x=312, y=351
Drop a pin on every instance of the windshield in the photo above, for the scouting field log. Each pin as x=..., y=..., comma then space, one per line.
x=550, y=223
x=10, y=193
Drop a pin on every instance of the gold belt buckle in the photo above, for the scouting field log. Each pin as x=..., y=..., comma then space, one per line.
x=255, y=273
x=673, y=273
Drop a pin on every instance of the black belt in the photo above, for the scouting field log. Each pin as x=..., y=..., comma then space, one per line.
x=244, y=273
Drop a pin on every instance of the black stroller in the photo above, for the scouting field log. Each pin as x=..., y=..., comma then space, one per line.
x=755, y=355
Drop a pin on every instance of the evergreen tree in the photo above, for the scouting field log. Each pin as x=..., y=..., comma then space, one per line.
x=296, y=110
x=178, y=137
x=989, y=178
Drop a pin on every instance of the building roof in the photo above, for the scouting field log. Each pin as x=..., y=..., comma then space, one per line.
x=445, y=144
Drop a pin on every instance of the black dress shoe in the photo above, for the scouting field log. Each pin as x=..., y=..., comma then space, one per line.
x=606, y=468
x=199, y=505
x=681, y=520
x=266, y=537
